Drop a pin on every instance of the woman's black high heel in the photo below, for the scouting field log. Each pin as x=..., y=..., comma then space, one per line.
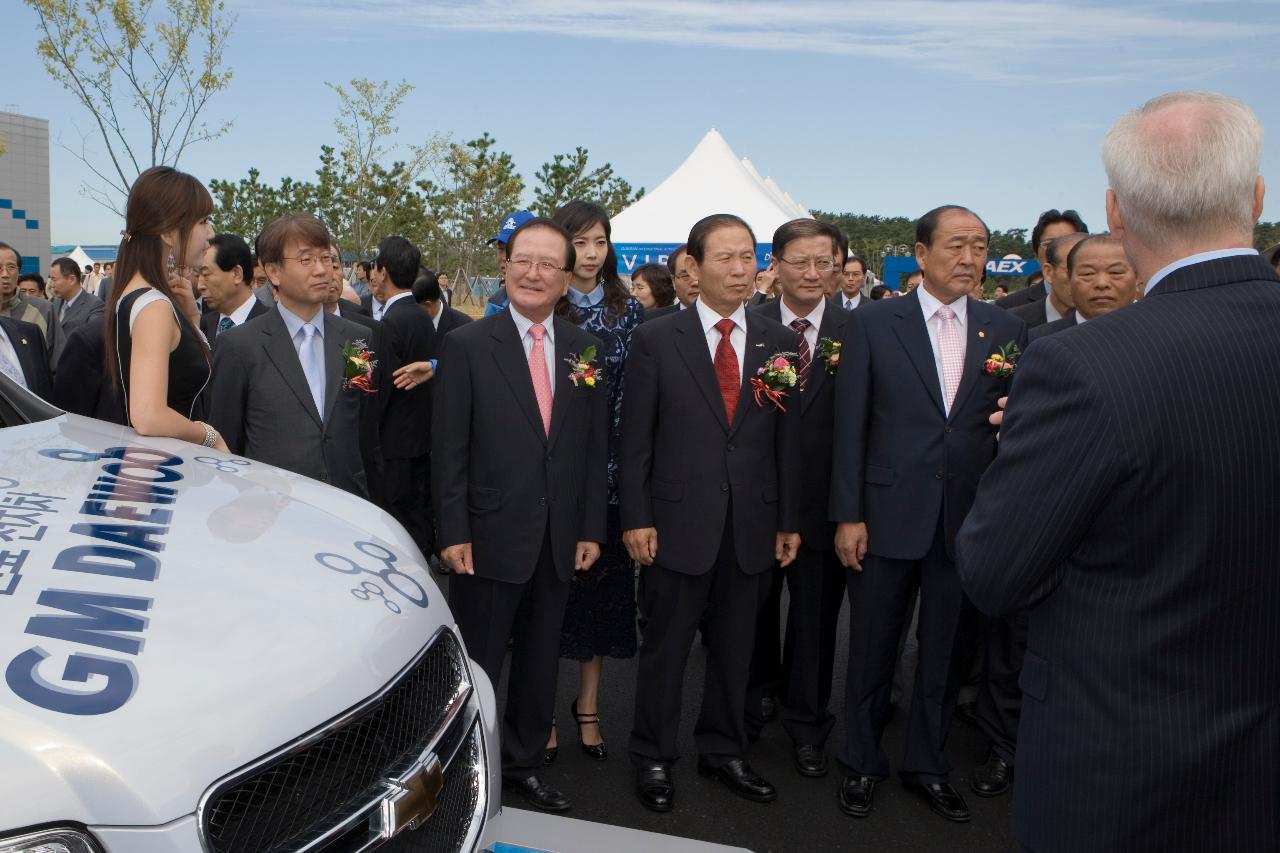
x=599, y=751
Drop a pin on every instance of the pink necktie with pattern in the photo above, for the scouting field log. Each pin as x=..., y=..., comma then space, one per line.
x=541, y=379
x=952, y=349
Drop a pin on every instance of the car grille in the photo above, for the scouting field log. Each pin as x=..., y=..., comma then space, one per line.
x=298, y=797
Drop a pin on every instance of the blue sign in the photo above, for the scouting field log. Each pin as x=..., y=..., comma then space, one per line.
x=634, y=255
x=895, y=266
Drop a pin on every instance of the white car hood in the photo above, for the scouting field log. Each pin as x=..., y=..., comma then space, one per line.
x=227, y=642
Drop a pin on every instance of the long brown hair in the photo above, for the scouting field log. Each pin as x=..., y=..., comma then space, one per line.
x=161, y=200
x=576, y=217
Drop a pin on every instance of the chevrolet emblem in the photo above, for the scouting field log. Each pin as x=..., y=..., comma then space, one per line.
x=413, y=798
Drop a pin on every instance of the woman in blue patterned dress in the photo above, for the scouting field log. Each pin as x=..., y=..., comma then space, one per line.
x=600, y=618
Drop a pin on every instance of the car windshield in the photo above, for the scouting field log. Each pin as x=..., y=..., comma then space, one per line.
x=19, y=406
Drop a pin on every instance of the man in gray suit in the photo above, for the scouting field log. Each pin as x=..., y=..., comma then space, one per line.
x=73, y=306
x=279, y=393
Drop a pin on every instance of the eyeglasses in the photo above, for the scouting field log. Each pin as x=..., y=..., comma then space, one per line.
x=311, y=260
x=822, y=265
x=524, y=265
x=9, y=268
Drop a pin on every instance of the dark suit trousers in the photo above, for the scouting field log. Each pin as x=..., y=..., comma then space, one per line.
x=816, y=584
x=530, y=614
x=766, y=658
x=674, y=603
x=879, y=601
x=406, y=485
x=1000, y=698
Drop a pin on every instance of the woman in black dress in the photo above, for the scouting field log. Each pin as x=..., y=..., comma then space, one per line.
x=154, y=348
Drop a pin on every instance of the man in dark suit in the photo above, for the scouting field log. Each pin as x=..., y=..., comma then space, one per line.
x=709, y=501
x=911, y=440
x=226, y=279
x=519, y=480
x=853, y=278
x=80, y=386
x=1050, y=225
x=406, y=426
x=816, y=579
x=766, y=283
x=682, y=280
x=1130, y=508
x=279, y=392
x=430, y=298
x=22, y=356
x=73, y=306
x=1058, y=303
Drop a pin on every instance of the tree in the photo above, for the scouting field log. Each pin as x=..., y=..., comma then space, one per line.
x=477, y=187
x=370, y=191
x=566, y=178
x=1266, y=235
x=145, y=80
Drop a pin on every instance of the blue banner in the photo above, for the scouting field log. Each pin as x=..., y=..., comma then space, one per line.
x=633, y=255
x=897, y=265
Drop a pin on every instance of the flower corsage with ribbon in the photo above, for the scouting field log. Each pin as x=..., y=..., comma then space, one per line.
x=1002, y=364
x=775, y=378
x=829, y=351
x=357, y=367
x=584, y=368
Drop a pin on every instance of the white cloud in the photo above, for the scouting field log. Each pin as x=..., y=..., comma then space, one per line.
x=993, y=39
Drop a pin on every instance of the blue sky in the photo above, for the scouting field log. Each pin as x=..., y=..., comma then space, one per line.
x=872, y=106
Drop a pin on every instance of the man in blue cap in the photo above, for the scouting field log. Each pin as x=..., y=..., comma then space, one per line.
x=510, y=223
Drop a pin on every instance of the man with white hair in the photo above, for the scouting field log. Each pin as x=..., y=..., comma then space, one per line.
x=1131, y=508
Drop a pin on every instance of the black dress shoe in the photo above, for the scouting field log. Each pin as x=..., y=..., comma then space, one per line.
x=945, y=800
x=993, y=778
x=542, y=797
x=811, y=760
x=768, y=708
x=967, y=712
x=654, y=787
x=737, y=776
x=855, y=795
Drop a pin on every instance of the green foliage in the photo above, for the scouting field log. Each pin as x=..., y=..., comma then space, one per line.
x=1266, y=235
x=566, y=178
x=145, y=79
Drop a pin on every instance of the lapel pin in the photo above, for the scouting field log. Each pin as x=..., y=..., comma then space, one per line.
x=759, y=344
x=982, y=334
x=24, y=342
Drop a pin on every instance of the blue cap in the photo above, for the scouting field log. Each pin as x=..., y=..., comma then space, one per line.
x=510, y=223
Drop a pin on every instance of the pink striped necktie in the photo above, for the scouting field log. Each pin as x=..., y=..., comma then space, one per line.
x=538, y=372
x=951, y=348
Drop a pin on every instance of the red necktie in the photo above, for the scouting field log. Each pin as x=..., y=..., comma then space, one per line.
x=727, y=369
x=799, y=324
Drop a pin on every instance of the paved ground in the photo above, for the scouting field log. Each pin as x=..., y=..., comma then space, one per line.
x=804, y=818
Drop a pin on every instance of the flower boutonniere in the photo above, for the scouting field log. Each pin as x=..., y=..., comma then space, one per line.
x=829, y=351
x=775, y=379
x=584, y=368
x=1002, y=364
x=357, y=367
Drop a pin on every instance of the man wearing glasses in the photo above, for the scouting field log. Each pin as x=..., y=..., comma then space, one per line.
x=684, y=282
x=278, y=392
x=519, y=468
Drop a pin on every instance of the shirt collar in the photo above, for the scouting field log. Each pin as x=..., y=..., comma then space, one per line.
x=1080, y=318
x=589, y=299
x=72, y=301
x=523, y=324
x=856, y=300
x=293, y=322
x=814, y=317
x=929, y=304
x=709, y=318
x=241, y=314
x=396, y=298
x=1195, y=259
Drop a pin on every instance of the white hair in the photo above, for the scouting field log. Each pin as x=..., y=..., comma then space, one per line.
x=1183, y=167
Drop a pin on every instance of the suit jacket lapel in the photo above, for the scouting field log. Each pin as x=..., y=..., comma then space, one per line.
x=514, y=366
x=978, y=345
x=753, y=356
x=562, y=385
x=692, y=346
x=914, y=335
x=830, y=328
x=279, y=348
x=334, y=369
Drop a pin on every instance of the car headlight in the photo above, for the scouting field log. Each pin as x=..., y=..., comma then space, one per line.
x=49, y=841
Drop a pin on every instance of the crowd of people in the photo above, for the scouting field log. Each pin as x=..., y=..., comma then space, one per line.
x=594, y=455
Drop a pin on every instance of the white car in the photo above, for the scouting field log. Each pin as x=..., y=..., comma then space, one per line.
x=203, y=654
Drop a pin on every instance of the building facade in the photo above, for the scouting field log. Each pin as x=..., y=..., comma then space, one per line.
x=24, y=189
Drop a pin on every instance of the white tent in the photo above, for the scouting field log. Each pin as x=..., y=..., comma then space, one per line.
x=711, y=180
x=80, y=257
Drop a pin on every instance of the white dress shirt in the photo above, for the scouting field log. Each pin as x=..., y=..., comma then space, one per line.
x=737, y=338
x=1051, y=312
x=9, y=356
x=815, y=322
x=523, y=324
x=849, y=304
x=435, y=321
x=929, y=305
x=241, y=314
x=66, y=305
x=1195, y=259
x=393, y=300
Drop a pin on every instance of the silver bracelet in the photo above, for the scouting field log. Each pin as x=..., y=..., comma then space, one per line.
x=210, y=434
